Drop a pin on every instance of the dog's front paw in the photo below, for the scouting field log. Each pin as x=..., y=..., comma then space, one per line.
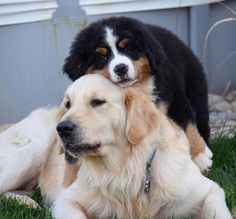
x=64, y=209
x=21, y=198
x=204, y=159
x=69, y=215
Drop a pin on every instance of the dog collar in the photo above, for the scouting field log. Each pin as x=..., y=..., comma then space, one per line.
x=148, y=172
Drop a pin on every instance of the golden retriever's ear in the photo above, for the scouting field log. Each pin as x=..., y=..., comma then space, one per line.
x=142, y=115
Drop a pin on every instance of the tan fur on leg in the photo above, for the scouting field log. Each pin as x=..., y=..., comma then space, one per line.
x=197, y=144
x=201, y=154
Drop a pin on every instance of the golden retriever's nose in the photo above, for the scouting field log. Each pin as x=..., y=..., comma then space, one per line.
x=65, y=128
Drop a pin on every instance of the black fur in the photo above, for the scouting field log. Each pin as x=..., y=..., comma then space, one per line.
x=179, y=77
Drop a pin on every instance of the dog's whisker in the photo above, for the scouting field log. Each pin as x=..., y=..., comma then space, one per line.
x=71, y=154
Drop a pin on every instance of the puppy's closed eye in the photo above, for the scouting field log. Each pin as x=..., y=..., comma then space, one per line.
x=97, y=102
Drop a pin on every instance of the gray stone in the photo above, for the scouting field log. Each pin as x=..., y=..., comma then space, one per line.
x=231, y=115
x=233, y=106
x=214, y=98
x=231, y=96
x=222, y=106
x=230, y=123
x=214, y=116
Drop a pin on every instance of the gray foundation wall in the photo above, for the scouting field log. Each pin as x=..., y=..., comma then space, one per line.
x=32, y=54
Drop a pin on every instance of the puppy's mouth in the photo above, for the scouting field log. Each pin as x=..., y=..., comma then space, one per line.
x=127, y=82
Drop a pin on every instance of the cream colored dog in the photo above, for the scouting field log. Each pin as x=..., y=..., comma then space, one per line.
x=134, y=162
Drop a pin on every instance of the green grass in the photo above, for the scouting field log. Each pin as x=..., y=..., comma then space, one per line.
x=10, y=208
x=223, y=172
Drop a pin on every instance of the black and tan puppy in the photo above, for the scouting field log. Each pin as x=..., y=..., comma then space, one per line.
x=127, y=51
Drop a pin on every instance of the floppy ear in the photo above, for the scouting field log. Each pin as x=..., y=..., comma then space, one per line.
x=151, y=47
x=155, y=56
x=75, y=64
x=71, y=67
x=142, y=115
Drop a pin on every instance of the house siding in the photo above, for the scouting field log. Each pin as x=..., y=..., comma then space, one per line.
x=32, y=54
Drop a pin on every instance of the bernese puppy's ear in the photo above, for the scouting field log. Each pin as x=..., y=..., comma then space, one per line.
x=71, y=67
x=152, y=48
x=75, y=63
x=155, y=53
x=142, y=115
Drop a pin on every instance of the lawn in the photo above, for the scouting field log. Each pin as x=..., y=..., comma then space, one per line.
x=223, y=171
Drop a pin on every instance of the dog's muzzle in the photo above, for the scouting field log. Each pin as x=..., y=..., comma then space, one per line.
x=72, y=139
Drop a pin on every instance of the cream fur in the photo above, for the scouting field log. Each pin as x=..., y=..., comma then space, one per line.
x=24, y=148
x=109, y=183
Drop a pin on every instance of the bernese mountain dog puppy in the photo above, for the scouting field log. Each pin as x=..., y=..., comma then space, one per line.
x=128, y=51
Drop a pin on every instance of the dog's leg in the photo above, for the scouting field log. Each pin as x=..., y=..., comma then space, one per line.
x=181, y=112
x=214, y=205
x=196, y=93
x=24, y=148
x=200, y=152
x=18, y=173
x=67, y=208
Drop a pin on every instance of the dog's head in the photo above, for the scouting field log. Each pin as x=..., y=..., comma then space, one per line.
x=120, y=48
x=99, y=116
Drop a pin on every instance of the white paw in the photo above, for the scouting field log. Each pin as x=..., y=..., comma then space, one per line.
x=24, y=199
x=204, y=160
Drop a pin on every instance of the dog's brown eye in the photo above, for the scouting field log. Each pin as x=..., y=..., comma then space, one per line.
x=67, y=104
x=122, y=44
x=103, y=51
x=97, y=102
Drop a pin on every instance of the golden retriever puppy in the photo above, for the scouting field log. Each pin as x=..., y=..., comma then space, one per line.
x=134, y=161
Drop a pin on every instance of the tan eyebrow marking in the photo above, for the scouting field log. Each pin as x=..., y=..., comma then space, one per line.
x=122, y=44
x=103, y=51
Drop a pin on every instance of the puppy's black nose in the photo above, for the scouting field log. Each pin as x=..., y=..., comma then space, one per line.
x=121, y=70
x=65, y=128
